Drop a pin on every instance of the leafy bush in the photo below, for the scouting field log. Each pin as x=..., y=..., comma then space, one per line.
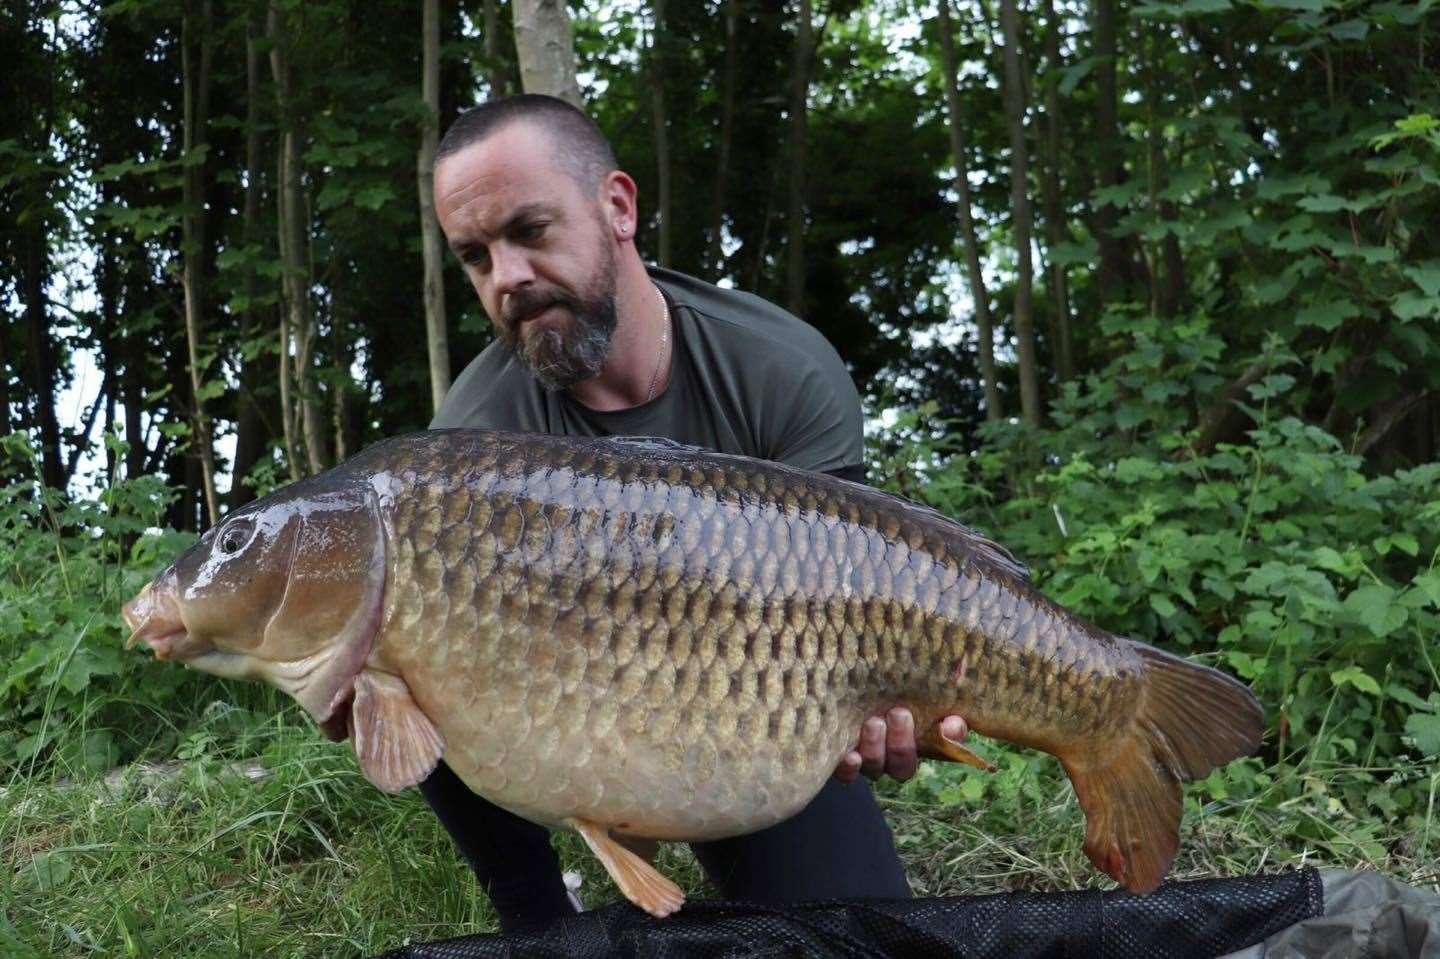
x=1280, y=559
x=69, y=694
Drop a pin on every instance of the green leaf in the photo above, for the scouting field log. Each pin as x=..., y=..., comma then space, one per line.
x=1409, y=306
x=1162, y=605
x=1376, y=609
x=1327, y=315
x=1405, y=543
x=1357, y=677
x=1429, y=582
x=1424, y=729
x=50, y=870
x=1426, y=276
x=1324, y=203
x=1407, y=697
x=1350, y=30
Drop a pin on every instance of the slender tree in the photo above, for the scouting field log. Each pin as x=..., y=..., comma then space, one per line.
x=1055, y=231
x=545, y=48
x=661, y=125
x=250, y=427
x=1014, y=93
x=715, y=257
x=195, y=38
x=795, y=210
x=494, y=71
x=433, y=252
x=297, y=328
x=984, y=326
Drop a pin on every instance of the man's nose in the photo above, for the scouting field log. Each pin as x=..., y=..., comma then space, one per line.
x=510, y=269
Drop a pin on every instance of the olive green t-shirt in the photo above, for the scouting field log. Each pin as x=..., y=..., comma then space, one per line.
x=746, y=378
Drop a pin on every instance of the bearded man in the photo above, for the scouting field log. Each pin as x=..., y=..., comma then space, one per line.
x=589, y=342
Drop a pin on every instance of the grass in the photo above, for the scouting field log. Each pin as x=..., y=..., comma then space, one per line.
x=200, y=859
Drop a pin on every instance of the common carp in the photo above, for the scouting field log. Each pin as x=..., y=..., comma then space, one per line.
x=646, y=641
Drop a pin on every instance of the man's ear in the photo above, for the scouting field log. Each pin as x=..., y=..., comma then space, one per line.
x=618, y=204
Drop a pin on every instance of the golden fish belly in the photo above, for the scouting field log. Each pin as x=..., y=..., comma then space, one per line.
x=684, y=648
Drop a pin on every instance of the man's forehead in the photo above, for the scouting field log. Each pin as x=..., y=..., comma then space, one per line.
x=513, y=166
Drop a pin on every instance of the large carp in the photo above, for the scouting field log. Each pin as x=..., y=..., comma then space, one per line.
x=642, y=640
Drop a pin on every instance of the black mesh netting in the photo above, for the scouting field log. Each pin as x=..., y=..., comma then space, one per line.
x=1204, y=918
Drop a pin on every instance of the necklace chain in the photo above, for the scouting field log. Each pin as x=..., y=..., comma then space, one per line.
x=664, y=342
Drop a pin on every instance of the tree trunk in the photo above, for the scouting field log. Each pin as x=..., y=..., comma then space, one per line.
x=493, y=70
x=6, y=424
x=546, y=51
x=434, y=280
x=250, y=431
x=1107, y=150
x=795, y=214
x=132, y=379
x=1014, y=94
x=196, y=97
x=1167, y=289
x=42, y=355
x=985, y=330
x=662, y=134
x=294, y=231
x=715, y=257
x=1055, y=231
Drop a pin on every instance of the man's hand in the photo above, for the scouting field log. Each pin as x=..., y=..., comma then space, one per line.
x=887, y=745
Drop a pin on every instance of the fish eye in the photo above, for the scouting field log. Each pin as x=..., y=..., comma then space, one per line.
x=234, y=536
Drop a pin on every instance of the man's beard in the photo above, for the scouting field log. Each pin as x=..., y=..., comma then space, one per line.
x=562, y=355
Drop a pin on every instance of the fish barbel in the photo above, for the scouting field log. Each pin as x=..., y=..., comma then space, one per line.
x=643, y=640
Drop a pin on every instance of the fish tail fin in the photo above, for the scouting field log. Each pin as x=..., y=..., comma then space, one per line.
x=1190, y=720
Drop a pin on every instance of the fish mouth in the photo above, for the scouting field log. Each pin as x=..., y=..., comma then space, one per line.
x=154, y=619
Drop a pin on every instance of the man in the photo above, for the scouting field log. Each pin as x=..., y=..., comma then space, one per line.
x=591, y=343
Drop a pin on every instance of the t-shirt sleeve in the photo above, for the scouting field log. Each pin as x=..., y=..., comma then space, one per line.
x=819, y=425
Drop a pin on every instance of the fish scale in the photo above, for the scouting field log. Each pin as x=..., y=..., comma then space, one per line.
x=641, y=639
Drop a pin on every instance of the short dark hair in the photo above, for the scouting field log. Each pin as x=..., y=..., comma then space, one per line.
x=582, y=150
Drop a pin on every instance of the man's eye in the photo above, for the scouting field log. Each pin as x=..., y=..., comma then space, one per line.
x=530, y=232
x=475, y=257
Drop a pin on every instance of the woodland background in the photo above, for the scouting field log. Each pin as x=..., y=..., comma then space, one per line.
x=1150, y=292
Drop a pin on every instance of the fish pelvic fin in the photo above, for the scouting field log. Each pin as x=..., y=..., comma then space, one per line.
x=395, y=742
x=641, y=882
x=1191, y=719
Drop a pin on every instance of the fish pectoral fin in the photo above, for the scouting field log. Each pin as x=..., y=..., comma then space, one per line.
x=395, y=742
x=933, y=744
x=641, y=882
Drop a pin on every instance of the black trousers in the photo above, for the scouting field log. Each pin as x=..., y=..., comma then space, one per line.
x=839, y=846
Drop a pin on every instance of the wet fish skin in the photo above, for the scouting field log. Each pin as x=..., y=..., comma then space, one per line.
x=675, y=644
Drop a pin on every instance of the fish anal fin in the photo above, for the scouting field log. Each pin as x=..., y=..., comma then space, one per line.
x=1132, y=816
x=1189, y=719
x=640, y=882
x=395, y=742
x=934, y=744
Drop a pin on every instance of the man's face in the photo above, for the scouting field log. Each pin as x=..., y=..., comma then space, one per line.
x=536, y=248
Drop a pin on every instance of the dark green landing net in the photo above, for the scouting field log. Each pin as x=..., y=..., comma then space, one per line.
x=1181, y=920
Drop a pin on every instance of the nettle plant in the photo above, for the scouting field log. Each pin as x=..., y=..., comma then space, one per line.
x=69, y=694
x=1280, y=558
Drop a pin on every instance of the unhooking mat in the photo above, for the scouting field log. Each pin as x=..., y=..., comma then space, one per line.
x=1294, y=915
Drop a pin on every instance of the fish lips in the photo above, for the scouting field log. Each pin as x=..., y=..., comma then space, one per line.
x=154, y=619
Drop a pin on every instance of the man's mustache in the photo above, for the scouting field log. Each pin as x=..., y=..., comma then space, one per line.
x=526, y=303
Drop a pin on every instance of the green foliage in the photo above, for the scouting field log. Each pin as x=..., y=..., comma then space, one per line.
x=1277, y=558
x=70, y=696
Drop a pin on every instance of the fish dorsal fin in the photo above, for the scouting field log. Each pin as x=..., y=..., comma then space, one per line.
x=986, y=549
x=993, y=552
x=395, y=742
x=655, y=444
